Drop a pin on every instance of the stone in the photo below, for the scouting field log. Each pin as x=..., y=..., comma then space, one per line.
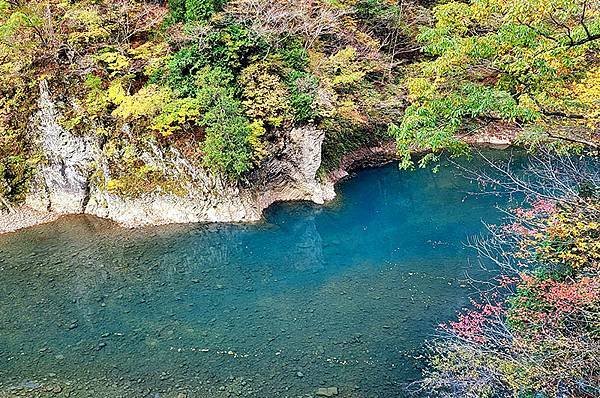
x=327, y=392
x=64, y=183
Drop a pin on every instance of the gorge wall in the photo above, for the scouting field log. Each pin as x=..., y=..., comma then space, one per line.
x=66, y=183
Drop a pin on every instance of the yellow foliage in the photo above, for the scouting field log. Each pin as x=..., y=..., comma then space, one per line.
x=87, y=25
x=153, y=54
x=142, y=180
x=569, y=238
x=175, y=115
x=114, y=61
x=419, y=88
x=116, y=93
x=266, y=97
x=257, y=130
x=146, y=103
x=345, y=68
x=587, y=91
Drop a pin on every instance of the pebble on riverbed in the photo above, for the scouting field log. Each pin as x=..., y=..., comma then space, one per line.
x=327, y=392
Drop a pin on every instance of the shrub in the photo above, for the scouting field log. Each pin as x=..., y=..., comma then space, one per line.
x=230, y=46
x=303, y=90
x=194, y=10
x=295, y=55
x=182, y=69
x=176, y=116
x=266, y=97
x=143, y=180
x=226, y=147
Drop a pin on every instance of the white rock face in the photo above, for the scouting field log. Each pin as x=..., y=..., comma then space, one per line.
x=64, y=184
x=61, y=184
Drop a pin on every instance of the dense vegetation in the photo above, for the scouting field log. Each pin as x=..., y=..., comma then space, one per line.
x=529, y=63
x=535, y=331
x=221, y=80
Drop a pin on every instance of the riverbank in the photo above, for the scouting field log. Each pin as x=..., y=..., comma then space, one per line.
x=500, y=137
x=24, y=217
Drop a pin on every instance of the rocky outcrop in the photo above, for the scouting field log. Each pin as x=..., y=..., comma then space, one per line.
x=363, y=158
x=495, y=135
x=64, y=183
x=292, y=176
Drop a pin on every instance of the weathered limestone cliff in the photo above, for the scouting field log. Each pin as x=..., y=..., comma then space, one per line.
x=64, y=183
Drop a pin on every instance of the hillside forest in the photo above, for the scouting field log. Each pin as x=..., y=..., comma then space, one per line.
x=221, y=80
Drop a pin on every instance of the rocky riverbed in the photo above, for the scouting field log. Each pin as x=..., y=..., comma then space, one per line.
x=23, y=217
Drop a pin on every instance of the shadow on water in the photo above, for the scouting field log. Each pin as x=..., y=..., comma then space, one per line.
x=313, y=297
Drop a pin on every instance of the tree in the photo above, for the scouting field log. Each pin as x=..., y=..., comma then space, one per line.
x=534, y=330
x=527, y=62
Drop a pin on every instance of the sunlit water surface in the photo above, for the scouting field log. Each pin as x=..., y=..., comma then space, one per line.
x=342, y=295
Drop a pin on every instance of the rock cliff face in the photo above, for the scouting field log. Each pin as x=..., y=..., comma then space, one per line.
x=64, y=183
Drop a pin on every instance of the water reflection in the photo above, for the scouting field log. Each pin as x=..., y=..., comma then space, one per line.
x=314, y=296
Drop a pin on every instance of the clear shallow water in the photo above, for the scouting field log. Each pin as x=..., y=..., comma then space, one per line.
x=342, y=295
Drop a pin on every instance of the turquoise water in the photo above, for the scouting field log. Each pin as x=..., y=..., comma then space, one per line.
x=342, y=295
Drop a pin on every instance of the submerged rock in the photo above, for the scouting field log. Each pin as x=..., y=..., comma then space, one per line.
x=327, y=392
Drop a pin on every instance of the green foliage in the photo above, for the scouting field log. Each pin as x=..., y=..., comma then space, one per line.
x=182, y=69
x=295, y=55
x=223, y=82
x=227, y=148
x=194, y=10
x=525, y=61
x=368, y=10
x=177, y=10
x=344, y=138
x=432, y=122
x=303, y=88
x=227, y=48
x=230, y=46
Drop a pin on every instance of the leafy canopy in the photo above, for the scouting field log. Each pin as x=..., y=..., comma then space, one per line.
x=526, y=62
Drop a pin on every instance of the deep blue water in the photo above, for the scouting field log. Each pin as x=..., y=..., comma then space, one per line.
x=342, y=295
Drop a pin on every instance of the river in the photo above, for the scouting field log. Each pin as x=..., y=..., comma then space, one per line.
x=342, y=295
